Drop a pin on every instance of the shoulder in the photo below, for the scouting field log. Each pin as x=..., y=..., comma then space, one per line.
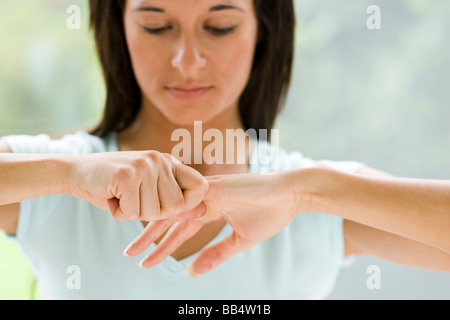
x=79, y=142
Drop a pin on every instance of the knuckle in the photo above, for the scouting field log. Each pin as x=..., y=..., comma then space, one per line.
x=166, y=156
x=140, y=163
x=153, y=155
x=169, y=163
x=171, y=159
x=161, y=161
x=124, y=174
x=203, y=185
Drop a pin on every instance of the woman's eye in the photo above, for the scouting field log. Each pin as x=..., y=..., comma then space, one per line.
x=156, y=30
x=213, y=30
x=220, y=31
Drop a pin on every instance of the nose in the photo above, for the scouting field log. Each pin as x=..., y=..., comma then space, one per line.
x=187, y=58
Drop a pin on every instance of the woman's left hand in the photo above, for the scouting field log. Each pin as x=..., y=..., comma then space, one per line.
x=256, y=207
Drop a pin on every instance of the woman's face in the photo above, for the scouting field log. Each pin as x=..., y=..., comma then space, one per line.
x=191, y=58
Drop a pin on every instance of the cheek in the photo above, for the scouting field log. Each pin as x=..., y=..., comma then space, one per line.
x=145, y=60
x=235, y=64
x=145, y=64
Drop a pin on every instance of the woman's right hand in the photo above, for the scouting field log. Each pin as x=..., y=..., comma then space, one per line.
x=256, y=206
x=137, y=185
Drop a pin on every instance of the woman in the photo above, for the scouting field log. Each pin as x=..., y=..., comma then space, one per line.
x=168, y=64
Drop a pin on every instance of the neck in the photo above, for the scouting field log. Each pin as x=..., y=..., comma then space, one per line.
x=153, y=131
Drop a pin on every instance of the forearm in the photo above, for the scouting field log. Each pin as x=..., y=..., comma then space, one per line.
x=25, y=176
x=412, y=208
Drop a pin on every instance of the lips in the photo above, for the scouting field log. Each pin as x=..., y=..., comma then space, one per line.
x=188, y=91
x=188, y=87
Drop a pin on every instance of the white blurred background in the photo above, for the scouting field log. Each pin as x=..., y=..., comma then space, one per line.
x=380, y=97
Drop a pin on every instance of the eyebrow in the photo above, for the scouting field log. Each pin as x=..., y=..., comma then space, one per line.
x=215, y=8
x=225, y=7
x=152, y=9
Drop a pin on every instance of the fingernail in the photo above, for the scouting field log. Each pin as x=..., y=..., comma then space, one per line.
x=125, y=252
x=141, y=264
x=190, y=270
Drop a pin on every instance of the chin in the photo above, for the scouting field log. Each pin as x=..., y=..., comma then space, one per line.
x=187, y=118
x=185, y=114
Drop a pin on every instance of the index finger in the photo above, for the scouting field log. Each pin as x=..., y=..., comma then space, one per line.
x=157, y=228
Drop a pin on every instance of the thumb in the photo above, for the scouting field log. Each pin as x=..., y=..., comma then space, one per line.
x=193, y=184
x=126, y=207
x=116, y=210
x=213, y=256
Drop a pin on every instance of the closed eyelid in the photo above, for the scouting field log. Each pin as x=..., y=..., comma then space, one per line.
x=214, y=30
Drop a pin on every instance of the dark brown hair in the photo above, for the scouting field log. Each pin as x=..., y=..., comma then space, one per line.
x=261, y=100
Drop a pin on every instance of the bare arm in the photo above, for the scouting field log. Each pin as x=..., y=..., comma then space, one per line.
x=142, y=185
x=24, y=177
x=418, y=210
x=9, y=214
x=27, y=176
x=401, y=220
x=363, y=240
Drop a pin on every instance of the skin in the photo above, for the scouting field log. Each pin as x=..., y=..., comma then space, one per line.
x=188, y=52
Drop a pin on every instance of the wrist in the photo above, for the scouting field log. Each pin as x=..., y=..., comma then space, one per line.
x=60, y=168
x=73, y=174
x=29, y=176
x=310, y=187
x=297, y=189
x=65, y=167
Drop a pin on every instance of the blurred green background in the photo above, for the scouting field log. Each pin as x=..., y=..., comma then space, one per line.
x=376, y=96
x=49, y=75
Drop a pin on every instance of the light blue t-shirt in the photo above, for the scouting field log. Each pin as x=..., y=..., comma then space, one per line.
x=75, y=249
